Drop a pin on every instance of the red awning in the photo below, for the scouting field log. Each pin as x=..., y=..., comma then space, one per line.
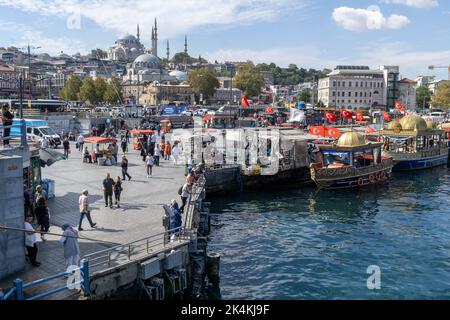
x=99, y=140
x=141, y=131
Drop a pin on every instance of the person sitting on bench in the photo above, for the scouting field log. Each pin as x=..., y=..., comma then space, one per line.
x=87, y=155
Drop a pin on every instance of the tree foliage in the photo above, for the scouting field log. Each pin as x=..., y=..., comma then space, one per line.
x=304, y=96
x=292, y=75
x=423, y=97
x=87, y=92
x=441, y=99
x=203, y=81
x=99, y=54
x=249, y=79
x=71, y=88
x=113, y=91
x=100, y=86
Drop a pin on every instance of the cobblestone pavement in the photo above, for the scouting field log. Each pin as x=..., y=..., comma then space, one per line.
x=140, y=214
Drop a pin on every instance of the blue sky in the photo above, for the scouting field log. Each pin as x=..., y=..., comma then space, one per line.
x=309, y=33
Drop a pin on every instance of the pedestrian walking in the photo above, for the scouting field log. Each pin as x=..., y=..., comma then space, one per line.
x=30, y=242
x=157, y=154
x=66, y=146
x=7, y=119
x=40, y=193
x=69, y=240
x=84, y=210
x=124, y=145
x=80, y=142
x=118, y=190
x=143, y=152
x=28, y=202
x=108, y=185
x=158, y=128
x=125, y=168
x=185, y=192
x=43, y=216
x=173, y=214
x=149, y=161
x=176, y=152
x=167, y=151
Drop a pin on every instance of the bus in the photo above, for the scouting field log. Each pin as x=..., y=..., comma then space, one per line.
x=38, y=105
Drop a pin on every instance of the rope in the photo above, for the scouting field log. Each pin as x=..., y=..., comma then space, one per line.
x=2, y=227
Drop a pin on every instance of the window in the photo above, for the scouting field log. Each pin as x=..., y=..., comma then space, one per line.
x=349, y=83
x=349, y=93
x=334, y=83
x=365, y=94
x=334, y=94
x=356, y=101
x=343, y=83
x=356, y=84
x=339, y=83
x=338, y=94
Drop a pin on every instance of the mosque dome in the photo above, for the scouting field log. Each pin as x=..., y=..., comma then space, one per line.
x=394, y=125
x=351, y=139
x=180, y=75
x=413, y=121
x=128, y=37
x=147, y=61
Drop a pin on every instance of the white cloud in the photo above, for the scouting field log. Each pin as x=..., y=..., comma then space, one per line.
x=369, y=19
x=54, y=46
x=174, y=16
x=421, y=4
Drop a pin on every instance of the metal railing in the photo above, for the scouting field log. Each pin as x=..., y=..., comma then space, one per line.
x=23, y=132
x=17, y=290
x=134, y=250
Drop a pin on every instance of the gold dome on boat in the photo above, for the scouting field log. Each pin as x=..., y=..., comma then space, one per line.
x=351, y=139
x=413, y=121
x=394, y=125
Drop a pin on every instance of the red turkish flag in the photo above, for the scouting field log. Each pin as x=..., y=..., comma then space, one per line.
x=331, y=117
x=269, y=110
x=347, y=114
x=317, y=131
x=386, y=116
x=245, y=102
x=370, y=130
x=359, y=117
x=400, y=107
x=332, y=132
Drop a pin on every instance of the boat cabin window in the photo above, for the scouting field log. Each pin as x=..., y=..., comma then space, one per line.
x=336, y=159
x=363, y=158
x=400, y=144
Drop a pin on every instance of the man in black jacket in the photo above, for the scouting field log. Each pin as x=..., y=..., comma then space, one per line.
x=7, y=118
x=66, y=145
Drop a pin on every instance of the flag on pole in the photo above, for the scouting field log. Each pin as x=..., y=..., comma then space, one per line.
x=359, y=117
x=245, y=102
x=386, y=116
x=400, y=107
x=331, y=117
x=346, y=114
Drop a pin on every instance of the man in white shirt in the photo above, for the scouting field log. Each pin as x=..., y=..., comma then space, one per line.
x=30, y=241
x=84, y=210
x=149, y=161
x=80, y=141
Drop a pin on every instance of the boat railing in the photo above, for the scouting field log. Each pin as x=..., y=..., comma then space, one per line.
x=349, y=171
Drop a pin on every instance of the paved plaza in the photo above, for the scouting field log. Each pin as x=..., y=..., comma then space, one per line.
x=140, y=214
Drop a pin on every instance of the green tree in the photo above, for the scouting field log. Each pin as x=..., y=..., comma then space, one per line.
x=71, y=88
x=181, y=58
x=249, y=79
x=441, y=99
x=87, y=91
x=304, y=96
x=203, y=81
x=113, y=91
x=423, y=97
x=99, y=54
x=100, y=86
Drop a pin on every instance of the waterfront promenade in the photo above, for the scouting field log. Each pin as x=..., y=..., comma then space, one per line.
x=140, y=214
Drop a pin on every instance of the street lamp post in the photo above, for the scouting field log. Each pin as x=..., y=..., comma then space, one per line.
x=29, y=68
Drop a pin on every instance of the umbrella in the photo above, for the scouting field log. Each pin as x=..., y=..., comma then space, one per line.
x=49, y=156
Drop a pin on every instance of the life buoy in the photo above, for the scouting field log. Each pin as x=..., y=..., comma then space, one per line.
x=382, y=175
x=378, y=175
x=372, y=178
x=360, y=181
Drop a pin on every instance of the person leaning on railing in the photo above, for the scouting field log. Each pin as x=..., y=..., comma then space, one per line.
x=7, y=119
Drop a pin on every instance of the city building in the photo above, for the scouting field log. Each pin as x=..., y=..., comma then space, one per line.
x=407, y=93
x=156, y=93
x=434, y=85
x=353, y=87
x=391, y=76
x=225, y=95
x=423, y=81
x=9, y=81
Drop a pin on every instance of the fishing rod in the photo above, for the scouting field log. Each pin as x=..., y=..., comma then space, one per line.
x=2, y=227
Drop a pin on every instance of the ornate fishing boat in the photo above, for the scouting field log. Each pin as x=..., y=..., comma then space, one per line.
x=351, y=162
x=414, y=143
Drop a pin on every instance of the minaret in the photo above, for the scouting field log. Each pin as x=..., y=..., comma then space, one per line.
x=138, y=34
x=185, y=45
x=153, y=41
x=168, y=51
x=155, y=51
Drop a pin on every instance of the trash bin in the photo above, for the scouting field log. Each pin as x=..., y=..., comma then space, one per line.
x=49, y=186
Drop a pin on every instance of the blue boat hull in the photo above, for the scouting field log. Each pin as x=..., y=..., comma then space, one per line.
x=418, y=164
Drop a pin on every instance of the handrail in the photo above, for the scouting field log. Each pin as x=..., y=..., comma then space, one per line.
x=19, y=286
x=23, y=133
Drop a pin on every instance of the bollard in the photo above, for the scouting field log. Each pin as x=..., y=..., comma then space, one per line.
x=18, y=284
x=85, y=274
x=213, y=267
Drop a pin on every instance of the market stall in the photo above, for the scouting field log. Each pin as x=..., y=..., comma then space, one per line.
x=137, y=136
x=104, y=155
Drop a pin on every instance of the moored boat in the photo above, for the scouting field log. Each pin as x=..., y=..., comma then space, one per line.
x=351, y=162
x=414, y=143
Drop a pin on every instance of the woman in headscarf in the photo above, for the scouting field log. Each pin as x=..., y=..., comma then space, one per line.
x=174, y=215
x=71, y=248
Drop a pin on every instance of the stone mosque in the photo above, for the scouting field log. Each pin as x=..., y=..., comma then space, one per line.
x=146, y=65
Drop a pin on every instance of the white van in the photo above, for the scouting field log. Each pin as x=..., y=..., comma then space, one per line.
x=37, y=130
